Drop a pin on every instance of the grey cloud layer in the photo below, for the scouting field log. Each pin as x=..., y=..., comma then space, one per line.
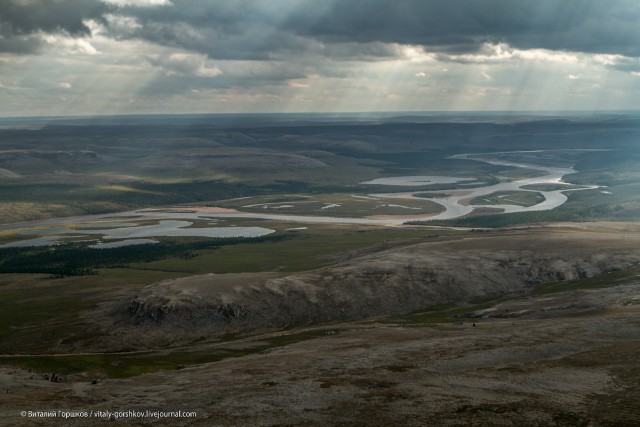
x=257, y=29
x=22, y=20
x=463, y=25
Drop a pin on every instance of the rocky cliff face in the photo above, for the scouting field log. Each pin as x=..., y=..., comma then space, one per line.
x=390, y=282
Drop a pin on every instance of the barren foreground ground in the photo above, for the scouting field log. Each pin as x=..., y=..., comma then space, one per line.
x=559, y=355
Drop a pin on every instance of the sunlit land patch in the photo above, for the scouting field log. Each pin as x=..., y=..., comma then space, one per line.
x=416, y=181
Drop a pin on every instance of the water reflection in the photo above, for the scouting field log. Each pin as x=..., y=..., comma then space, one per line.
x=134, y=234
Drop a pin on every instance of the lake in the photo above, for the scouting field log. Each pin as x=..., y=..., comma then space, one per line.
x=131, y=234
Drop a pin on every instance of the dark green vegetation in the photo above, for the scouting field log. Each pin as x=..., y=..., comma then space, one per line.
x=319, y=246
x=430, y=195
x=77, y=260
x=550, y=187
x=519, y=198
x=291, y=249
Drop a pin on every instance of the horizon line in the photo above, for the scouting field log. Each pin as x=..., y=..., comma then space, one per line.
x=333, y=113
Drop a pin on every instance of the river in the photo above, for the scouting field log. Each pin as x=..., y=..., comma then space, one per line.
x=456, y=204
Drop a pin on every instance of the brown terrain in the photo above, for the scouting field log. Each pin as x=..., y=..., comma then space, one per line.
x=390, y=282
x=545, y=330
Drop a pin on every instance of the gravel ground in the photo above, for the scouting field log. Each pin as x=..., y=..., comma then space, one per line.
x=547, y=366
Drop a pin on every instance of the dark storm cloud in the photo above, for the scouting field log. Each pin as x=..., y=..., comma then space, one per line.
x=340, y=29
x=254, y=29
x=455, y=26
x=21, y=19
x=231, y=29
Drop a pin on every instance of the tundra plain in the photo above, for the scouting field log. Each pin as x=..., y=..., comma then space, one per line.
x=369, y=314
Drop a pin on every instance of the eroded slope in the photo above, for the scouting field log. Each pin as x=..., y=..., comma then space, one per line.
x=394, y=281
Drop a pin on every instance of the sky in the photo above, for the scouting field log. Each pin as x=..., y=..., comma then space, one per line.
x=93, y=57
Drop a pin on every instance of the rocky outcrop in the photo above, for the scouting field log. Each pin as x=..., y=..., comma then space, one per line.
x=144, y=312
x=390, y=282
